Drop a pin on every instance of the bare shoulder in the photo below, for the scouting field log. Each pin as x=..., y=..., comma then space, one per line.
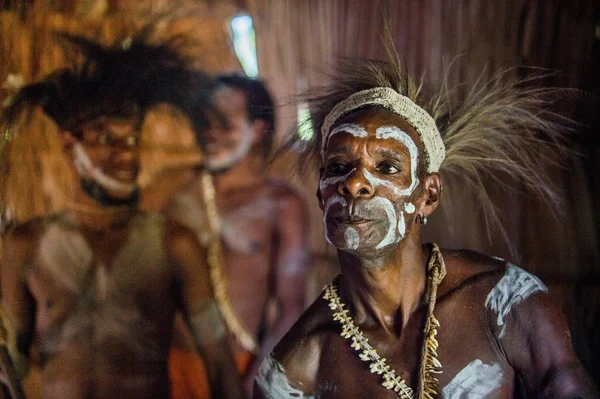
x=291, y=369
x=473, y=270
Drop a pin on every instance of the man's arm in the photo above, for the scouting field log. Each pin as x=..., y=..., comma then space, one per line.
x=538, y=345
x=289, y=272
x=201, y=312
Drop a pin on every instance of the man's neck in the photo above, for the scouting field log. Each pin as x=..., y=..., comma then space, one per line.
x=250, y=171
x=88, y=213
x=388, y=294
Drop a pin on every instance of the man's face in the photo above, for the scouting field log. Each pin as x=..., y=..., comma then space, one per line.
x=370, y=175
x=107, y=154
x=226, y=146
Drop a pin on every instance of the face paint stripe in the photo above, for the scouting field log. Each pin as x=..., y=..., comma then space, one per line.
x=352, y=238
x=87, y=170
x=334, y=180
x=393, y=132
x=350, y=128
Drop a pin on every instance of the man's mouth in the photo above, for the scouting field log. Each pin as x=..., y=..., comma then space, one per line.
x=352, y=220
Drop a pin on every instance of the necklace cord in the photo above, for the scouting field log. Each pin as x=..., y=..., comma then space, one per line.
x=215, y=260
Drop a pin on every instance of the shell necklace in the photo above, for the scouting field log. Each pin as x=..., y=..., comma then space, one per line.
x=429, y=365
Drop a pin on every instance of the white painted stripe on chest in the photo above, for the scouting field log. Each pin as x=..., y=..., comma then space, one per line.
x=476, y=381
x=516, y=286
x=273, y=382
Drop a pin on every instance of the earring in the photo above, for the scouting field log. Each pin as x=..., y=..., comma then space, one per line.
x=422, y=219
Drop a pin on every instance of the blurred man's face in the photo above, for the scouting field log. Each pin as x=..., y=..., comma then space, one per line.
x=107, y=156
x=226, y=146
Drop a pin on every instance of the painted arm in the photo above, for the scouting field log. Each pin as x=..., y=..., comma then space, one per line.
x=537, y=342
x=289, y=274
x=201, y=313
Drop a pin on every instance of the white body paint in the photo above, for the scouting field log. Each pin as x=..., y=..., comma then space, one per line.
x=350, y=128
x=516, y=286
x=409, y=208
x=475, y=381
x=274, y=384
x=352, y=238
x=87, y=170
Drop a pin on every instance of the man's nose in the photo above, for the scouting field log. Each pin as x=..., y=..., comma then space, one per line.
x=356, y=185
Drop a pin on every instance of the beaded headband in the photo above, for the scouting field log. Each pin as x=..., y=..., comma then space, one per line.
x=417, y=117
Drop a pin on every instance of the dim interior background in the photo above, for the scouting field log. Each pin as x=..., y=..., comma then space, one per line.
x=291, y=43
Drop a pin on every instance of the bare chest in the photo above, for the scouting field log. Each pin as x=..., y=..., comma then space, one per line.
x=471, y=366
x=84, y=297
x=248, y=224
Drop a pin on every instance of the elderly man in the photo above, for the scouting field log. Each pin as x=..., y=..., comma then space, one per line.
x=406, y=319
x=262, y=226
x=97, y=285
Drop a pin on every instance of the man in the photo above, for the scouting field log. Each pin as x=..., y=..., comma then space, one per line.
x=263, y=227
x=406, y=319
x=97, y=285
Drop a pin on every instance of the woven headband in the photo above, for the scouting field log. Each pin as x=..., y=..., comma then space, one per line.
x=417, y=117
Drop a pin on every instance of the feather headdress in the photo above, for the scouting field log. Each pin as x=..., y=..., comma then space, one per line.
x=503, y=130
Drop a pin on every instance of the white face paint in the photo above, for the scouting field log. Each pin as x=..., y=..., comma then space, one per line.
x=273, y=382
x=516, y=286
x=352, y=238
x=475, y=381
x=335, y=199
x=386, y=205
x=401, y=225
x=334, y=180
x=350, y=128
x=87, y=170
x=397, y=225
x=394, y=132
x=244, y=146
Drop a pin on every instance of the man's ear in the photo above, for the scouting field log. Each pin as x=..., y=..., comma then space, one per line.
x=432, y=193
x=319, y=196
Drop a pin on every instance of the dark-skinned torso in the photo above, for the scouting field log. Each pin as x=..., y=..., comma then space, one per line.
x=104, y=304
x=249, y=212
x=500, y=335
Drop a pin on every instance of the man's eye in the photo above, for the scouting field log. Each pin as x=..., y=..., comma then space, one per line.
x=388, y=169
x=336, y=168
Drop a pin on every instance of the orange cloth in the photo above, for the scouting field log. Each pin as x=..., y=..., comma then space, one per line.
x=188, y=376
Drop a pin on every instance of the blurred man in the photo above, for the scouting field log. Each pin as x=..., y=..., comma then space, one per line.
x=263, y=225
x=97, y=285
x=407, y=319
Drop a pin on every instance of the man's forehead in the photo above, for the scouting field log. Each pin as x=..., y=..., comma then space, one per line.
x=371, y=119
x=374, y=124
